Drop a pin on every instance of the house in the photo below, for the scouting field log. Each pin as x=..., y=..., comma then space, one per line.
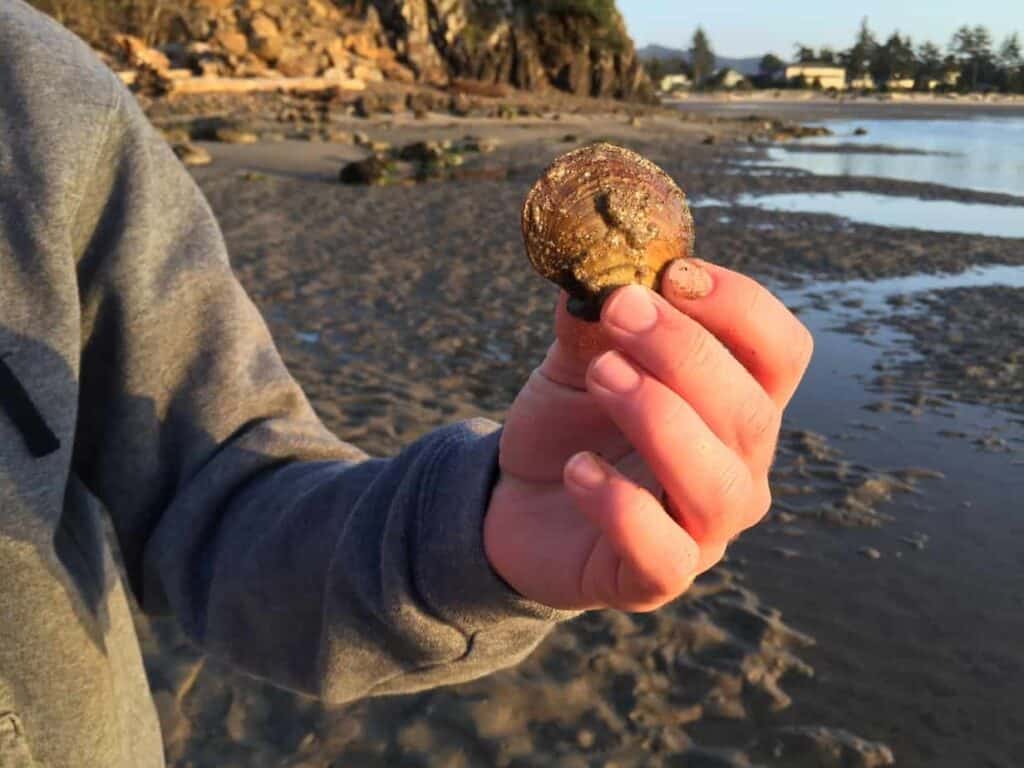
x=950, y=79
x=728, y=78
x=862, y=83
x=900, y=84
x=826, y=75
x=670, y=83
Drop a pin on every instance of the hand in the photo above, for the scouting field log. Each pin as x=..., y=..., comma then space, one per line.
x=628, y=466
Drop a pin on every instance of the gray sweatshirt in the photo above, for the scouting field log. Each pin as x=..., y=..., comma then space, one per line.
x=138, y=381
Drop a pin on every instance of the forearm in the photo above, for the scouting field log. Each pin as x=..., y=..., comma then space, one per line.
x=347, y=580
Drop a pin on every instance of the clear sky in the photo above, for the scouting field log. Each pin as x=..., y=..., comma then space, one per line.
x=753, y=27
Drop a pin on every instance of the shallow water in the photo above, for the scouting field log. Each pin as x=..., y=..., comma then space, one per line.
x=873, y=293
x=921, y=636
x=985, y=154
x=895, y=211
x=834, y=390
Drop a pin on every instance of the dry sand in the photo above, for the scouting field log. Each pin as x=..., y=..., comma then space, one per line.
x=402, y=308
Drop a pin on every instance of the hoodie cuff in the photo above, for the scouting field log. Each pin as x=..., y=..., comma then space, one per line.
x=453, y=572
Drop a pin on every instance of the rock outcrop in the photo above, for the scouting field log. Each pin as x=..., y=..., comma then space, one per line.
x=578, y=46
x=292, y=38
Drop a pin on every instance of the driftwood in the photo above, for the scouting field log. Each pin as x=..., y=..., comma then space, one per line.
x=196, y=85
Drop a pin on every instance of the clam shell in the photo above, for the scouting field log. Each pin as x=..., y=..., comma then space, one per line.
x=601, y=217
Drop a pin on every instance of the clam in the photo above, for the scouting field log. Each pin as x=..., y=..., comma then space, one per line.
x=601, y=217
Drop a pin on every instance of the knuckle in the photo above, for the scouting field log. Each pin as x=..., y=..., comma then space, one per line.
x=735, y=499
x=697, y=352
x=658, y=587
x=732, y=485
x=732, y=497
x=673, y=422
x=760, y=422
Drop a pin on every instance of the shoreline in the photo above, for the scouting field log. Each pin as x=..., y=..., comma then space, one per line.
x=819, y=107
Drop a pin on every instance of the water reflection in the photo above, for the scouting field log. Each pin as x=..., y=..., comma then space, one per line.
x=903, y=212
x=985, y=154
x=873, y=293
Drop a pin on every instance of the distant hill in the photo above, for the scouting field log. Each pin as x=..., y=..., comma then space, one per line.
x=746, y=66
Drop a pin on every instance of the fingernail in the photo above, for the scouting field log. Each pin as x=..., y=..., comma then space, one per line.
x=686, y=279
x=631, y=309
x=584, y=471
x=612, y=372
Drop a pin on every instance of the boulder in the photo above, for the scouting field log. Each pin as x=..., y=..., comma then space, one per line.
x=140, y=55
x=371, y=171
x=427, y=101
x=265, y=37
x=190, y=154
x=422, y=152
x=337, y=53
x=380, y=102
x=232, y=41
x=294, y=61
x=230, y=135
x=460, y=104
x=367, y=72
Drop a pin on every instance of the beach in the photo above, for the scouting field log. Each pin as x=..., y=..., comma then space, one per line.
x=873, y=619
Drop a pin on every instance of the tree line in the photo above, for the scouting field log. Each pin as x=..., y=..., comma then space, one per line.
x=971, y=61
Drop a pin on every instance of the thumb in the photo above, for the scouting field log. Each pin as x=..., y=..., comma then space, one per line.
x=577, y=342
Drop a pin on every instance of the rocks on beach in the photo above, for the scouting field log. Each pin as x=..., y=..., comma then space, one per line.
x=191, y=154
x=418, y=161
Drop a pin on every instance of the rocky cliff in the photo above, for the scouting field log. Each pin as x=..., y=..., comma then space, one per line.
x=578, y=46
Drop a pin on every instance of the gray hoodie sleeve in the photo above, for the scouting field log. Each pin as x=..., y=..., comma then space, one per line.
x=279, y=548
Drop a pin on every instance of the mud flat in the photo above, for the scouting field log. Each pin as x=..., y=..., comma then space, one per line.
x=870, y=618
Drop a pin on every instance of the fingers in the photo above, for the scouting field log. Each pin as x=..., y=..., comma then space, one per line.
x=690, y=361
x=643, y=558
x=756, y=327
x=711, y=486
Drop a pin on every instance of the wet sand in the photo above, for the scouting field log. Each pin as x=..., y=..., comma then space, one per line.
x=877, y=608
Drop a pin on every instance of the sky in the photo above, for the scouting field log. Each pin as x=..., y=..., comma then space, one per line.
x=754, y=27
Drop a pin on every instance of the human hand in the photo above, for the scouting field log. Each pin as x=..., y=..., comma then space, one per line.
x=630, y=461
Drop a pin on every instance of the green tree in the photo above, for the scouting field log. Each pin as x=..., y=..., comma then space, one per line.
x=1012, y=63
x=770, y=65
x=857, y=59
x=827, y=56
x=929, y=61
x=972, y=47
x=656, y=69
x=702, y=58
x=1010, y=52
x=803, y=54
x=894, y=60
